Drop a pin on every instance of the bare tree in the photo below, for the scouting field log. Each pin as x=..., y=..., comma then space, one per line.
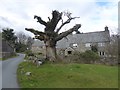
x=29, y=42
x=112, y=48
x=21, y=38
x=51, y=35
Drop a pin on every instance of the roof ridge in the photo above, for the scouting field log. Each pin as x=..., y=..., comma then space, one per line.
x=93, y=32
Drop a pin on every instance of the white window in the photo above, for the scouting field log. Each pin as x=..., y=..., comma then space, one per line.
x=101, y=53
x=101, y=44
x=87, y=45
x=75, y=45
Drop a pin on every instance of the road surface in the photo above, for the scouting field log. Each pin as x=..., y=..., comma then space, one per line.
x=9, y=70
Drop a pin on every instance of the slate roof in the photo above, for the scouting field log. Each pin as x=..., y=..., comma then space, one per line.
x=91, y=37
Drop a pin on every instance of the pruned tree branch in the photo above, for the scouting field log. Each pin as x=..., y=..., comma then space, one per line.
x=40, y=20
x=49, y=19
x=56, y=17
x=35, y=32
x=40, y=38
x=66, y=22
x=64, y=34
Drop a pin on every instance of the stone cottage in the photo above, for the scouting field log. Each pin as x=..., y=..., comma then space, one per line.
x=83, y=41
x=79, y=42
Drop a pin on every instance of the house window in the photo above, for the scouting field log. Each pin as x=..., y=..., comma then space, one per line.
x=69, y=52
x=75, y=45
x=101, y=53
x=101, y=44
x=87, y=45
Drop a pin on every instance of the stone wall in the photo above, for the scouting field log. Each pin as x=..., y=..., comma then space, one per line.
x=38, y=49
x=7, y=50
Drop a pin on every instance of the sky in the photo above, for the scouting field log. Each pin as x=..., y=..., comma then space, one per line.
x=94, y=14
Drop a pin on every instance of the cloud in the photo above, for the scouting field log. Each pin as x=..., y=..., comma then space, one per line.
x=94, y=16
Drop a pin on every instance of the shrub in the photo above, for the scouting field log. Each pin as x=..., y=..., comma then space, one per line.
x=94, y=48
x=28, y=53
x=89, y=55
x=20, y=47
x=40, y=53
x=84, y=57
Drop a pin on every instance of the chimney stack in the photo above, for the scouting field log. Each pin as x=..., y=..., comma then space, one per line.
x=106, y=28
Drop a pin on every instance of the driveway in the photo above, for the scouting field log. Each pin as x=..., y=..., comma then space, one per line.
x=9, y=70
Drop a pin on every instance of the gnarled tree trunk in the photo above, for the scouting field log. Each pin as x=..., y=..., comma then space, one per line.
x=51, y=53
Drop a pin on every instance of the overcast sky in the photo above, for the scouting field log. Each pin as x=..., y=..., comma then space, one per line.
x=94, y=14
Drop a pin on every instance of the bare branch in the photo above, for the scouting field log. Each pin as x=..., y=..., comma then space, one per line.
x=51, y=25
x=39, y=37
x=49, y=18
x=66, y=22
x=62, y=21
x=64, y=34
x=35, y=31
x=56, y=15
x=40, y=20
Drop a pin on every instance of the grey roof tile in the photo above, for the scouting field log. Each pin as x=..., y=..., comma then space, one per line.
x=91, y=37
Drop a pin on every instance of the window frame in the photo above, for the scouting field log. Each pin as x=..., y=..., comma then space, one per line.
x=101, y=44
x=88, y=45
x=74, y=45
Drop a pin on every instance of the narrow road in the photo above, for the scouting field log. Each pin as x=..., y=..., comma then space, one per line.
x=9, y=70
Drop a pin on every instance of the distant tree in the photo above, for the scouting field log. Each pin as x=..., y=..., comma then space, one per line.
x=21, y=38
x=29, y=42
x=51, y=34
x=113, y=47
x=9, y=35
x=24, y=42
x=20, y=47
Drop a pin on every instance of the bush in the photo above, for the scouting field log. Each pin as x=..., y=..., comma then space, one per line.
x=28, y=53
x=84, y=57
x=20, y=47
x=89, y=55
x=40, y=53
x=94, y=48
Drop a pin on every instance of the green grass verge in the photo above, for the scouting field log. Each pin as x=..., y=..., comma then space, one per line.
x=68, y=76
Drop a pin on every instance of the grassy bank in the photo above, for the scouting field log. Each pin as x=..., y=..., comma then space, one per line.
x=67, y=76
